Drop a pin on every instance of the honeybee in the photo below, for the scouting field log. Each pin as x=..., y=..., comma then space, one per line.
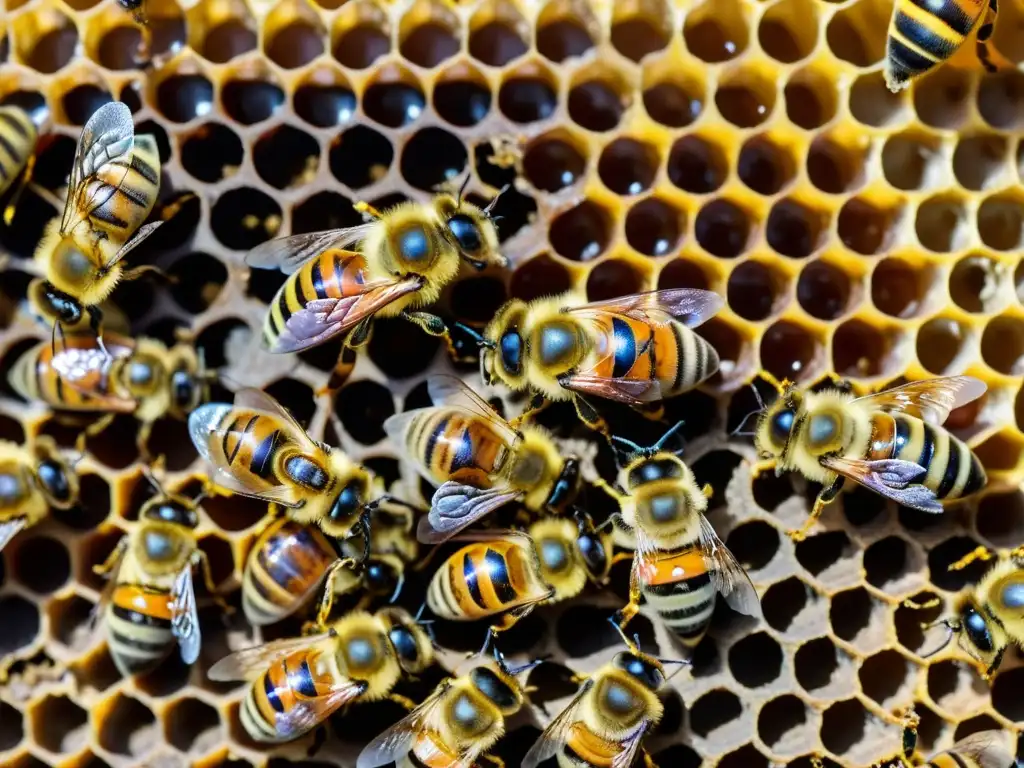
x=141, y=377
x=611, y=714
x=989, y=617
x=636, y=349
x=149, y=603
x=297, y=683
x=407, y=255
x=456, y=725
x=498, y=574
x=891, y=442
x=480, y=461
x=32, y=479
x=18, y=137
x=923, y=35
x=680, y=564
x=571, y=553
x=115, y=178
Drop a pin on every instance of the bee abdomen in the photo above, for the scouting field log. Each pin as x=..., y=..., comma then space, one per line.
x=252, y=718
x=17, y=138
x=473, y=584
x=953, y=471
x=333, y=274
x=923, y=33
x=138, y=628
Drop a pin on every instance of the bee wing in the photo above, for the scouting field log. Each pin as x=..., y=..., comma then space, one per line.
x=322, y=319
x=185, y=617
x=728, y=576
x=893, y=478
x=643, y=568
x=986, y=749
x=445, y=390
x=107, y=137
x=456, y=506
x=289, y=253
x=631, y=746
x=392, y=745
x=633, y=392
x=87, y=370
x=134, y=241
x=550, y=743
x=257, y=400
x=9, y=529
x=930, y=399
x=689, y=306
x=309, y=713
x=250, y=663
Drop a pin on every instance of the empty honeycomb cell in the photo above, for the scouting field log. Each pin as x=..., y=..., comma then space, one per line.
x=756, y=290
x=362, y=407
x=940, y=345
x=196, y=281
x=810, y=98
x=716, y=469
x=553, y=162
x=783, y=601
x=169, y=677
x=745, y=98
x=857, y=32
x=581, y=233
x=93, y=506
x=1002, y=345
x=764, y=165
x=80, y=102
x=975, y=284
x=981, y=162
x=788, y=30
x=325, y=210
x=836, y=167
x=11, y=430
x=768, y=489
x=597, y=103
x=628, y=166
x=756, y=660
x=791, y=351
x=286, y=157
x=641, y=28
x=184, y=97
x=1001, y=100
x=783, y=719
x=115, y=47
x=235, y=513
x=899, y=288
x=21, y=623
x=397, y=334
x=252, y=100
x=527, y=96
x=824, y=290
x=1001, y=222
x=746, y=756
x=852, y=612
x=723, y=228
x=655, y=227
x=754, y=544
x=566, y=29
x=955, y=687
x=794, y=229
x=125, y=726
x=41, y=564
x=192, y=726
x=942, y=97
x=672, y=100
x=884, y=676
x=910, y=622
x=823, y=550
x=462, y=97
x=942, y=224
x=324, y=105
x=714, y=710
x=861, y=506
x=498, y=33
x=843, y=724
x=973, y=725
x=428, y=34
x=873, y=104
x=816, y=663
x=11, y=727
x=59, y=725
x=941, y=556
x=299, y=397
x=717, y=30
x=865, y=227
x=245, y=217
x=697, y=165
x=293, y=34
x=360, y=35
x=360, y=156
x=431, y=157
x=1000, y=519
x=71, y=621
x=583, y=630
x=1006, y=694
x=45, y=40
x=220, y=32
x=912, y=161
x=540, y=276
x=614, y=277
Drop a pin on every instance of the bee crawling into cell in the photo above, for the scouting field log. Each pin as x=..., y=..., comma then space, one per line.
x=891, y=442
x=989, y=617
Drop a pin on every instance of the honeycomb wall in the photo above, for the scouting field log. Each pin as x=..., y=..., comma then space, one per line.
x=746, y=147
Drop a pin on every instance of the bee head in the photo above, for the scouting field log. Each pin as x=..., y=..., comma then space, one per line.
x=382, y=575
x=409, y=638
x=347, y=506
x=55, y=478
x=645, y=669
x=594, y=548
x=778, y=424
x=170, y=508
x=470, y=229
x=57, y=304
x=504, y=345
x=188, y=380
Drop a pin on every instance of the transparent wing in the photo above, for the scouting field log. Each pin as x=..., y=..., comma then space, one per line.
x=289, y=253
x=456, y=506
x=396, y=741
x=644, y=559
x=9, y=529
x=689, y=306
x=87, y=370
x=892, y=478
x=930, y=400
x=250, y=663
x=557, y=733
x=134, y=241
x=631, y=746
x=630, y=391
x=728, y=576
x=450, y=391
x=108, y=136
x=185, y=617
x=986, y=749
x=258, y=400
x=306, y=714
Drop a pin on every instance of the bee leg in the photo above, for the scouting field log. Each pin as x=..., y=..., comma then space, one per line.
x=537, y=404
x=933, y=603
x=142, y=441
x=761, y=468
x=92, y=430
x=497, y=761
x=404, y=701
x=652, y=411
x=366, y=209
x=107, y=565
x=989, y=57
x=211, y=587
x=430, y=323
x=826, y=496
x=26, y=179
x=136, y=272
x=319, y=739
x=590, y=417
x=980, y=553
x=624, y=615
x=341, y=371
x=648, y=760
x=327, y=598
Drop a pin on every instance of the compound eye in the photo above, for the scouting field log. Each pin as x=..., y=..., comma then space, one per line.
x=977, y=631
x=592, y=551
x=466, y=233
x=182, y=388
x=381, y=578
x=347, y=503
x=54, y=480
x=782, y=425
x=512, y=352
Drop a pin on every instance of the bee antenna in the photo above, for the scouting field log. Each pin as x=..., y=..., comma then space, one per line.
x=462, y=190
x=664, y=438
x=478, y=338
x=513, y=671
x=419, y=613
x=758, y=398
x=622, y=634
x=684, y=662
x=490, y=206
x=739, y=427
x=633, y=447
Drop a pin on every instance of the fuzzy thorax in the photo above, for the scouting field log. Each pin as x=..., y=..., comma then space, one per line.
x=363, y=652
x=535, y=466
x=70, y=263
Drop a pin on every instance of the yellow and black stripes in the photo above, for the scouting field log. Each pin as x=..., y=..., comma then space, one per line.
x=953, y=471
x=277, y=691
x=135, y=182
x=138, y=622
x=333, y=274
x=480, y=580
x=17, y=141
x=249, y=442
x=923, y=33
x=455, y=446
x=679, y=589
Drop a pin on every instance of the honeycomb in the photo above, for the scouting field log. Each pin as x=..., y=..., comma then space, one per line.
x=745, y=146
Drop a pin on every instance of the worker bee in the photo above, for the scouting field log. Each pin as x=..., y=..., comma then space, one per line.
x=480, y=461
x=32, y=479
x=989, y=617
x=498, y=574
x=115, y=178
x=680, y=564
x=571, y=553
x=891, y=442
x=611, y=714
x=18, y=137
x=141, y=377
x=456, y=725
x=297, y=683
x=149, y=603
x=923, y=35
x=636, y=349
x=407, y=255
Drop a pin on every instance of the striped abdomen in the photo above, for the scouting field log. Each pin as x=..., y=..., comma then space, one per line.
x=456, y=446
x=671, y=354
x=334, y=274
x=249, y=442
x=285, y=683
x=428, y=751
x=955, y=760
x=585, y=749
x=129, y=187
x=286, y=564
x=17, y=141
x=953, y=470
x=35, y=378
x=678, y=586
x=138, y=622
x=923, y=33
x=482, y=580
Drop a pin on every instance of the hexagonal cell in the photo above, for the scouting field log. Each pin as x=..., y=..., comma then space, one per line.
x=867, y=228
x=462, y=96
x=673, y=100
x=245, y=217
x=286, y=157
x=1006, y=694
x=44, y=40
x=745, y=98
x=816, y=662
x=396, y=102
x=756, y=660
x=528, y=95
x=956, y=687
x=757, y=290
x=428, y=33
x=540, y=276
x=855, y=616
x=1002, y=452
x=697, y=165
x=1001, y=100
x=820, y=552
x=910, y=621
x=554, y=161
x=873, y=104
x=943, y=555
x=791, y=351
x=360, y=156
x=1002, y=345
x=857, y=33
x=185, y=95
x=211, y=152
x=913, y=161
x=193, y=726
x=1001, y=222
x=714, y=710
x=788, y=30
x=723, y=228
x=884, y=677
x=795, y=229
x=11, y=727
x=252, y=96
x=976, y=284
x=942, y=225
x=655, y=227
x=717, y=31
x=125, y=726
x=293, y=34
x=21, y=621
x=981, y=162
x=598, y=100
x=360, y=34
x=566, y=29
x=843, y=725
x=824, y=290
x=744, y=757
x=325, y=99
x=628, y=166
x=765, y=165
x=498, y=33
x=942, y=97
x=40, y=563
x=810, y=97
x=58, y=724
x=783, y=601
x=754, y=544
x=1000, y=518
x=362, y=407
x=640, y=29
x=219, y=32
x=834, y=166
x=612, y=278
x=784, y=720
x=581, y=233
